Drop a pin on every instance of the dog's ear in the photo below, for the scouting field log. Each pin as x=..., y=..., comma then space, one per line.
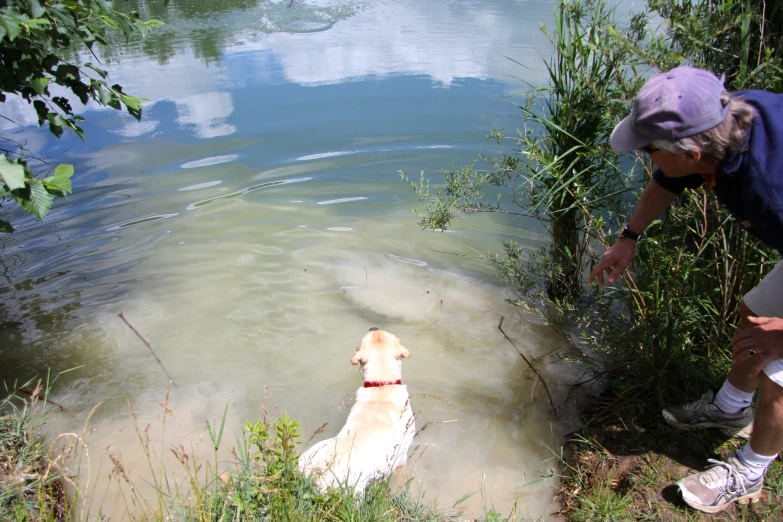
x=404, y=353
x=357, y=358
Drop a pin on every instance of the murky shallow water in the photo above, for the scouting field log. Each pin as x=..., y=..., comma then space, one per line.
x=253, y=227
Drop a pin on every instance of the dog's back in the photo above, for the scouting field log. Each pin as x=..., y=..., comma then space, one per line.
x=380, y=427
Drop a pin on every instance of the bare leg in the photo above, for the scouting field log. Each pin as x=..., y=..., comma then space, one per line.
x=767, y=438
x=738, y=376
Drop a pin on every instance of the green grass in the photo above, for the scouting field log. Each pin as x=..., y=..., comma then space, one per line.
x=31, y=487
x=604, y=504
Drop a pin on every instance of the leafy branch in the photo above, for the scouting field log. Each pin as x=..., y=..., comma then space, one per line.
x=43, y=42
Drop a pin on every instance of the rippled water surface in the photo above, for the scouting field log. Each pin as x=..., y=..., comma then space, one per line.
x=253, y=226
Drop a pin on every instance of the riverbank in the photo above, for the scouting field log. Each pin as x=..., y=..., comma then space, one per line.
x=31, y=487
x=40, y=476
x=623, y=466
x=626, y=461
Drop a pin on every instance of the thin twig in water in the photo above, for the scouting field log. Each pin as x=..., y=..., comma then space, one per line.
x=549, y=395
x=533, y=391
x=33, y=394
x=431, y=396
x=455, y=254
x=151, y=350
x=365, y=274
x=581, y=383
x=547, y=354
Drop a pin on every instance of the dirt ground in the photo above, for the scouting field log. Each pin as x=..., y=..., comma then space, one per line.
x=625, y=463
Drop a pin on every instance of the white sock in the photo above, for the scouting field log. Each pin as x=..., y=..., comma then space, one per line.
x=730, y=399
x=757, y=464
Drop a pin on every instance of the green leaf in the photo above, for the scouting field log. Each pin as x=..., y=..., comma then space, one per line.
x=50, y=61
x=64, y=170
x=61, y=180
x=142, y=28
x=78, y=130
x=11, y=25
x=100, y=71
x=66, y=72
x=6, y=227
x=36, y=22
x=86, y=35
x=133, y=105
x=36, y=8
x=108, y=21
x=39, y=85
x=54, y=124
x=12, y=173
x=131, y=101
x=127, y=29
x=42, y=110
x=104, y=95
x=62, y=13
x=39, y=202
x=114, y=102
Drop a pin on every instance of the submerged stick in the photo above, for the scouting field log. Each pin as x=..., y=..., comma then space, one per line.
x=151, y=350
x=533, y=392
x=35, y=393
x=549, y=395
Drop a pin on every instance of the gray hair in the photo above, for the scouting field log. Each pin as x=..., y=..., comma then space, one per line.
x=728, y=137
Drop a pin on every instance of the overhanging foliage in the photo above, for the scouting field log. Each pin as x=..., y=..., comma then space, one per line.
x=45, y=43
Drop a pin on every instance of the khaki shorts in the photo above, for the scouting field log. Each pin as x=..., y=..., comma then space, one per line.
x=766, y=300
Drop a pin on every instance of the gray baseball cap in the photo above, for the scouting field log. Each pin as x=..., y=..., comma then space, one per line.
x=671, y=105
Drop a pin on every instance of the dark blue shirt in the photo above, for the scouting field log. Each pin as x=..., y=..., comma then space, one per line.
x=750, y=183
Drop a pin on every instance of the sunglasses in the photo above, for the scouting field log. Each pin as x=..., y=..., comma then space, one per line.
x=649, y=149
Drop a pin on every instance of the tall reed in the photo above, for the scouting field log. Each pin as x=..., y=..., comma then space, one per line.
x=573, y=178
x=562, y=172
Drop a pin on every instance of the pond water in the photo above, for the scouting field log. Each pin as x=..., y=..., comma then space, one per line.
x=253, y=226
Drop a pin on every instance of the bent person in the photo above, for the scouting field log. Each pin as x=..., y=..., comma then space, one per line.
x=695, y=132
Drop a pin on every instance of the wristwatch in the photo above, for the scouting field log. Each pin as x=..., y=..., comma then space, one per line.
x=629, y=234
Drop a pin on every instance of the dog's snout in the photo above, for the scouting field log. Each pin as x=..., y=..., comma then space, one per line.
x=374, y=329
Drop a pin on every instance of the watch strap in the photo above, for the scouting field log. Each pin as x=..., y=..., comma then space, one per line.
x=629, y=234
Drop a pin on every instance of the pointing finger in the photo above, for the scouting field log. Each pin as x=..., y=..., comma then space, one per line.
x=616, y=273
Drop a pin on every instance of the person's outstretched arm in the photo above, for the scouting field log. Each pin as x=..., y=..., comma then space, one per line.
x=655, y=199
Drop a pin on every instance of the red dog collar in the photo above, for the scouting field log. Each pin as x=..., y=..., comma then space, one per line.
x=376, y=384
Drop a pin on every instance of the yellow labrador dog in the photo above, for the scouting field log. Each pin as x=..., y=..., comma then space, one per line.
x=376, y=436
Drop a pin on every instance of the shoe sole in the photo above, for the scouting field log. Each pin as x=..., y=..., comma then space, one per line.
x=745, y=499
x=742, y=433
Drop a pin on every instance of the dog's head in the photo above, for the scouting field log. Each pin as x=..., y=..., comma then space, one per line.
x=380, y=356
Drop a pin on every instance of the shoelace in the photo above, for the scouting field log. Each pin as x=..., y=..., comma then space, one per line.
x=696, y=406
x=713, y=476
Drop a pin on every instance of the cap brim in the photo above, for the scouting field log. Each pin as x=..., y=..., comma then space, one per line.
x=625, y=139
